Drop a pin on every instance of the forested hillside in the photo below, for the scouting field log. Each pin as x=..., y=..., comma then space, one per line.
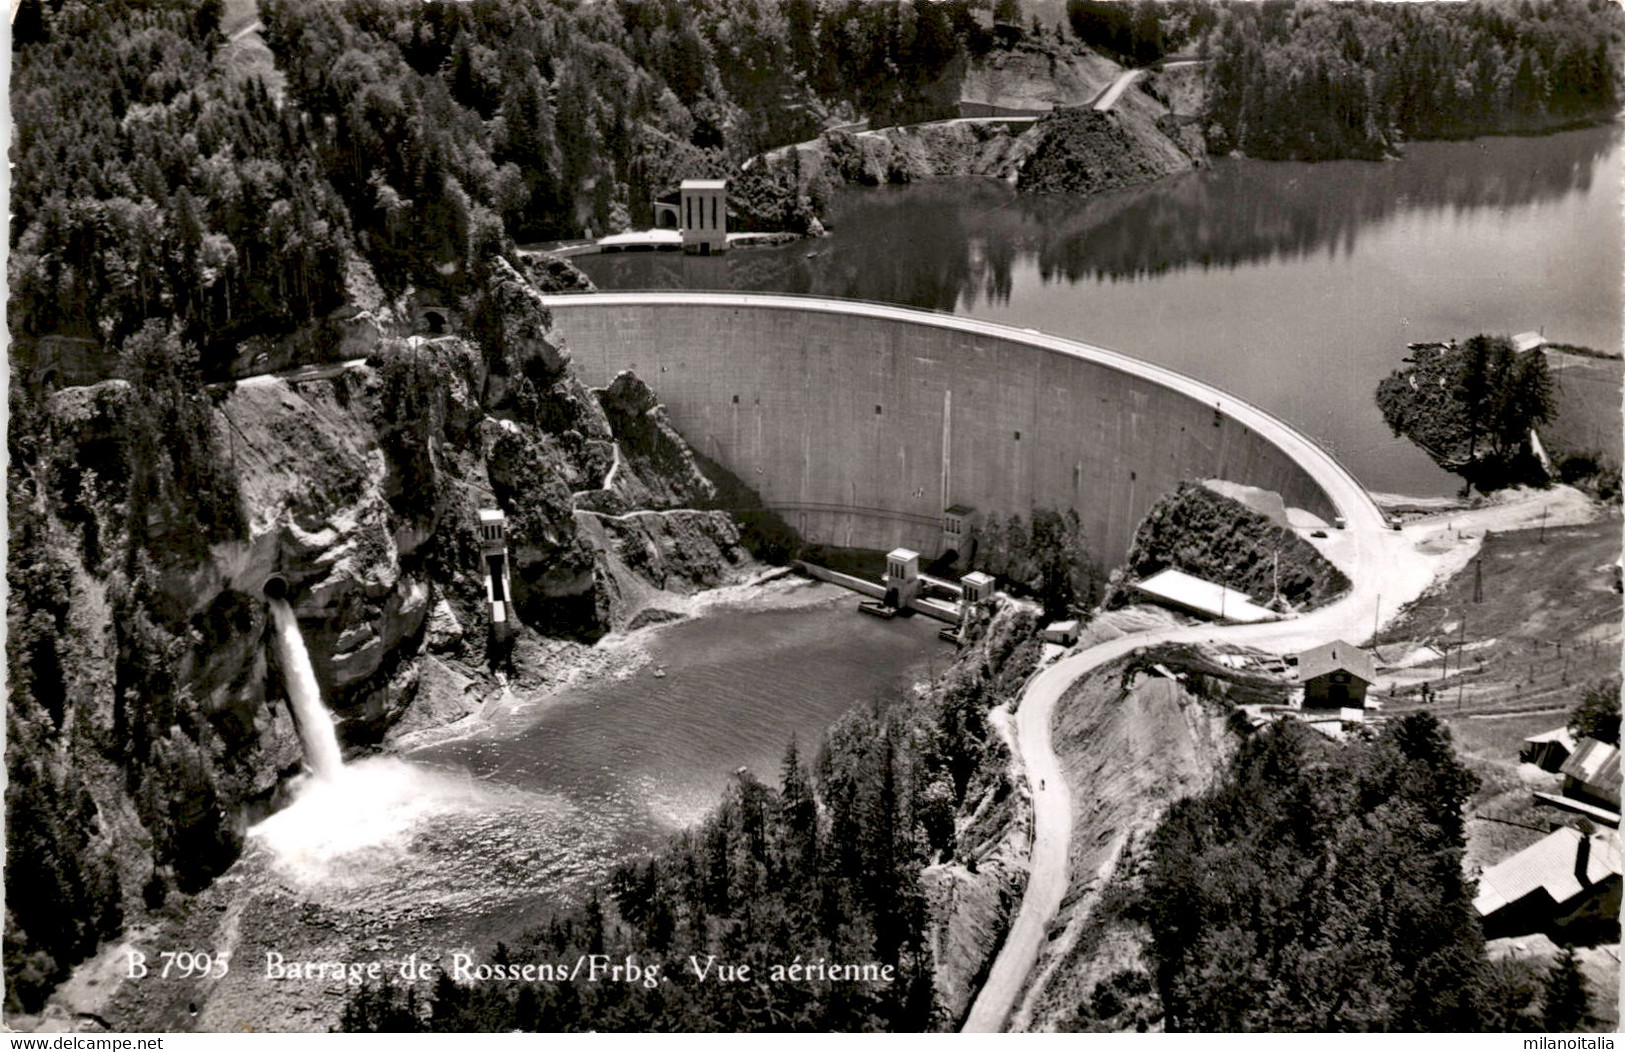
x=153, y=181
x=1312, y=81
x=1319, y=887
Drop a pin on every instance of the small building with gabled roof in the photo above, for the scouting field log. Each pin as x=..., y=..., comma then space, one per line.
x=1592, y=774
x=1335, y=675
x=1547, y=750
x=1525, y=342
x=1565, y=879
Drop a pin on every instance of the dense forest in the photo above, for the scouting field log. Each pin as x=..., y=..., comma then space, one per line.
x=824, y=871
x=172, y=204
x=1471, y=407
x=155, y=179
x=1319, y=887
x=1313, y=81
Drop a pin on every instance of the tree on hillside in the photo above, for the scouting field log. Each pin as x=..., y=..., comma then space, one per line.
x=1319, y=887
x=1598, y=713
x=1567, y=1005
x=1473, y=387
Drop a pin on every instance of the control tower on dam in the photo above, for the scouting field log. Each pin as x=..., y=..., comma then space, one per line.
x=881, y=427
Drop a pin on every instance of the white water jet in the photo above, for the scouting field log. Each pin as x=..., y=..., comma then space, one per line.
x=315, y=722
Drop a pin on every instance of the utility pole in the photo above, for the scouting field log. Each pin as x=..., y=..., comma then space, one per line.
x=1478, y=579
x=1461, y=664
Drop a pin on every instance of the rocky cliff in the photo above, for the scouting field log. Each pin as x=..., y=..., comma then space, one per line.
x=148, y=720
x=1084, y=151
x=1077, y=151
x=975, y=894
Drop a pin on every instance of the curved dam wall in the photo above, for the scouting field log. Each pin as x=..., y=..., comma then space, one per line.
x=860, y=423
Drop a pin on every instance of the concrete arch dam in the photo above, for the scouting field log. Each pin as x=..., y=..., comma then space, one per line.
x=862, y=423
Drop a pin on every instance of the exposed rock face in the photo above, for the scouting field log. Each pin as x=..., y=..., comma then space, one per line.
x=553, y=274
x=657, y=469
x=356, y=485
x=1084, y=151
x=926, y=151
x=974, y=896
x=1029, y=77
x=1070, y=148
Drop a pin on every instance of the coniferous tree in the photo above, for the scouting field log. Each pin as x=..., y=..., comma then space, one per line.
x=1566, y=1004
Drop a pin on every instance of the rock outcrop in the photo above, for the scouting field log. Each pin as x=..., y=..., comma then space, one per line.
x=140, y=563
x=1085, y=151
x=1070, y=148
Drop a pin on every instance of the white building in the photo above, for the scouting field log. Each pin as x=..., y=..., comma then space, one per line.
x=705, y=216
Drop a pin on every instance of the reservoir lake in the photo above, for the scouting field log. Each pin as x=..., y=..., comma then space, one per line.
x=1294, y=286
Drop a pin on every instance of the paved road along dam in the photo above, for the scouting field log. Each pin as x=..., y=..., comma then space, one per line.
x=862, y=423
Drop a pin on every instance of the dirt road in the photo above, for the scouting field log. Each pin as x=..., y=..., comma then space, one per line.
x=1109, y=97
x=1388, y=568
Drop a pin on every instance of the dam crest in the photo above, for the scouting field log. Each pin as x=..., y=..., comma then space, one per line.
x=863, y=424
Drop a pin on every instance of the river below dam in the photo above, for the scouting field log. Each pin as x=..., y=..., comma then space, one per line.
x=515, y=812
x=1295, y=286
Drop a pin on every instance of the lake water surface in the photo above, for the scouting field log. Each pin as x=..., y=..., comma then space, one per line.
x=1294, y=286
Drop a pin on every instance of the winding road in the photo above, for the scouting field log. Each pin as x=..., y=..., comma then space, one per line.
x=1387, y=568
x=1114, y=91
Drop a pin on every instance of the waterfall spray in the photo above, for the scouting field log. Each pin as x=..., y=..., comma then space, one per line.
x=315, y=723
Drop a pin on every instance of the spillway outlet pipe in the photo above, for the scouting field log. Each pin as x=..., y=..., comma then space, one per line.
x=276, y=587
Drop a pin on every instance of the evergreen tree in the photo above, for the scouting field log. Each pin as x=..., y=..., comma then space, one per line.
x=1566, y=1003
x=1598, y=713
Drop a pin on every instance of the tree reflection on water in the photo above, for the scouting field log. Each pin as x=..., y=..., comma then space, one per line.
x=949, y=244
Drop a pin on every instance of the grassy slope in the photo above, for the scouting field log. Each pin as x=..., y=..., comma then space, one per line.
x=1517, y=682
x=1587, y=391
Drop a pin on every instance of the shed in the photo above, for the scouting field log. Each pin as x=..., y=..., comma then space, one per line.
x=1564, y=879
x=1548, y=749
x=1063, y=632
x=1592, y=773
x=1335, y=675
x=1528, y=341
